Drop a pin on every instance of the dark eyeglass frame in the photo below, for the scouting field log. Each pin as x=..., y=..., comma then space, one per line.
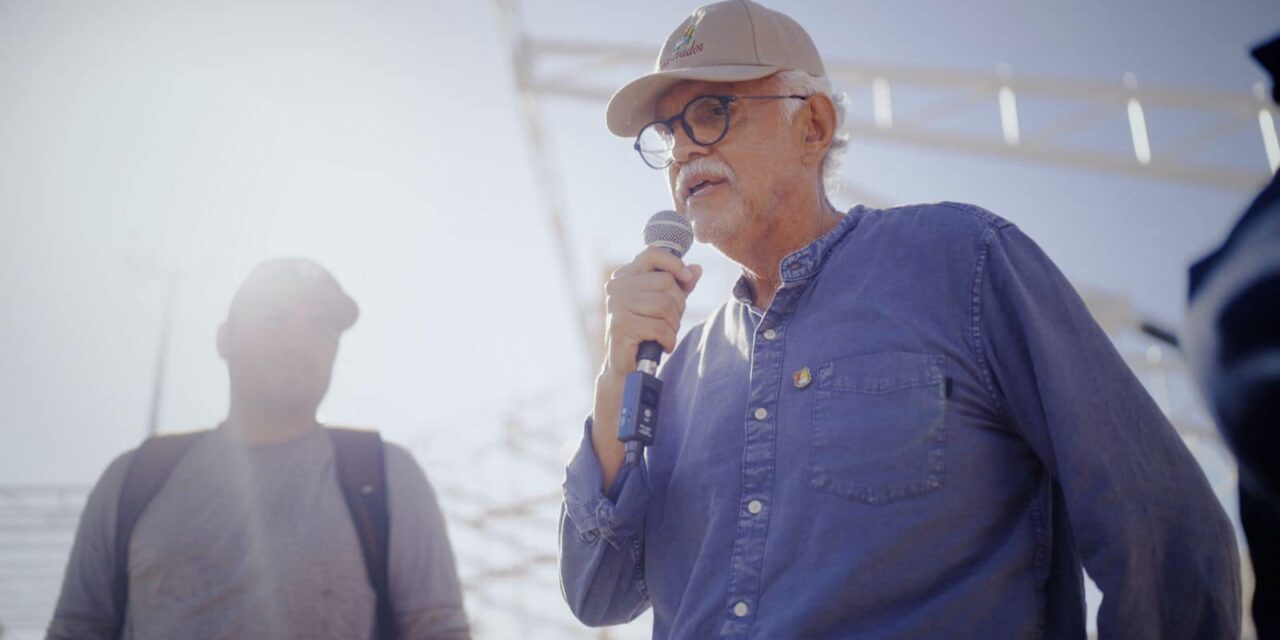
x=669, y=123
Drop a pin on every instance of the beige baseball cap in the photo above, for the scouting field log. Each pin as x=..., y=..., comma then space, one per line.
x=723, y=42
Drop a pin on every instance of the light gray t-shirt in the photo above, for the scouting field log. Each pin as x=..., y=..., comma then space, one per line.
x=257, y=542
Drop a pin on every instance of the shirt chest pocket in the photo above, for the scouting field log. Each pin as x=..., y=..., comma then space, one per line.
x=878, y=431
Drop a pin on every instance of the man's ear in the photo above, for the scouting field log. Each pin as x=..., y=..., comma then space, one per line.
x=223, y=340
x=820, y=127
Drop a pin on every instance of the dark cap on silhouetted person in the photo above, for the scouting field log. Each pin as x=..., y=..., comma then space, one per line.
x=295, y=282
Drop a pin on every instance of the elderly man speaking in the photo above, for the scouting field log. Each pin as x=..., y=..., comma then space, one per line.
x=904, y=424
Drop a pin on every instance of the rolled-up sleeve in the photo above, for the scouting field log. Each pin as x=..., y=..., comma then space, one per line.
x=1148, y=527
x=601, y=540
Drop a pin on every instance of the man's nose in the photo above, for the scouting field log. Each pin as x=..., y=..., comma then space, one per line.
x=684, y=148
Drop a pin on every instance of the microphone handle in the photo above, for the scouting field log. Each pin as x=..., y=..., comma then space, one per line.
x=649, y=352
x=640, y=397
x=649, y=349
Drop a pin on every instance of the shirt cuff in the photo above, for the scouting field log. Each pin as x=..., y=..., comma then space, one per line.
x=593, y=514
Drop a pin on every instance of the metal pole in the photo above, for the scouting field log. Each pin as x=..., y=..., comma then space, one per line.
x=162, y=351
x=545, y=175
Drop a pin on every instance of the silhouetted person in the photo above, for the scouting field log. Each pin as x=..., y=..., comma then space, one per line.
x=270, y=525
x=1233, y=342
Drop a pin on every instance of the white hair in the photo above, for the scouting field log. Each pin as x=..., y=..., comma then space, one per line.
x=793, y=82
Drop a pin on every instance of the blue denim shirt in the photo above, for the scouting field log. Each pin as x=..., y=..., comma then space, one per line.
x=925, y=435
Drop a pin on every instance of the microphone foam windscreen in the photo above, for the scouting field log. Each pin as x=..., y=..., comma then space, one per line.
x=669, y=230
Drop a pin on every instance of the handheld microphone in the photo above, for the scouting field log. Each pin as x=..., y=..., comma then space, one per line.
x=643, y=390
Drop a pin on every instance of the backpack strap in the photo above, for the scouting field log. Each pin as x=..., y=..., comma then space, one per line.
x=361, y=467
x=150, y=467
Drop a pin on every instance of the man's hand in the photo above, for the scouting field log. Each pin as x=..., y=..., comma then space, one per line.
x=645, y=300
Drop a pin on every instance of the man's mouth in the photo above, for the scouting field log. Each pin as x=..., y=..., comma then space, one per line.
x=702, y=186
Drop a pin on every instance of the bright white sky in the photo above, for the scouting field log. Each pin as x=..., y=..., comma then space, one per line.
x=139, y=138
x=385, y=141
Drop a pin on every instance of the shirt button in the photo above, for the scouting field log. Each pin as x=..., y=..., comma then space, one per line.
x=755, y=506
x=762, y=413
x=741, y=610
x=770, y=334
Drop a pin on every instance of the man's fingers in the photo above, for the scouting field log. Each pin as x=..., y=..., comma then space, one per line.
x=656, y=330
x=661, y=305
x=655, y=259
x=652, y=282
x=687, y=285
x=625, y=342
x=627, y=327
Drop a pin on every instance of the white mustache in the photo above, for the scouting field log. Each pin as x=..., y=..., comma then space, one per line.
x=705, y=167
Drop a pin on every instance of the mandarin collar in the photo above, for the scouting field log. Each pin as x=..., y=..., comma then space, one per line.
x=806, y=262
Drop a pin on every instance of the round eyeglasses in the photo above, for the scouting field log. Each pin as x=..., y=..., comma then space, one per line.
x=705, y=119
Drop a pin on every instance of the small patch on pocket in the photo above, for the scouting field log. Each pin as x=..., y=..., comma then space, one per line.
x=878, y=426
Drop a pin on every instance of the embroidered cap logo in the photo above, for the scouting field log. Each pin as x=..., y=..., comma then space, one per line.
x=687, y=39
x=686, y=45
